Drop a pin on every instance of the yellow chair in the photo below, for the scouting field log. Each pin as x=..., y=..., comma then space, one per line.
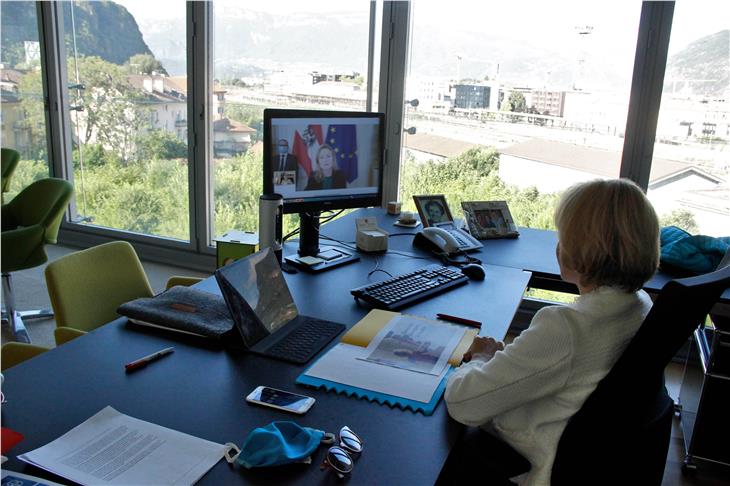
x=14, y=353
x=88, y=286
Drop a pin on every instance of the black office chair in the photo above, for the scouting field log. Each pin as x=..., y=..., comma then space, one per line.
x=622, y=431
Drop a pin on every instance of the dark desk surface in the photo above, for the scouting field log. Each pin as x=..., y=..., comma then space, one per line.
x=533, y=251
x=200, y=390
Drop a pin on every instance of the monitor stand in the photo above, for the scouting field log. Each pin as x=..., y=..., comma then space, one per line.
x=311, y=257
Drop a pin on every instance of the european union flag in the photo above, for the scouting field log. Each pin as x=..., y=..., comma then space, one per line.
x=343, y=140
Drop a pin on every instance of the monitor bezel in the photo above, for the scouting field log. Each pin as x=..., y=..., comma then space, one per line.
x=300, y=205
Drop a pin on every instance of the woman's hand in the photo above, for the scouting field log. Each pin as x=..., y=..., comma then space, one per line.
x=482, y=348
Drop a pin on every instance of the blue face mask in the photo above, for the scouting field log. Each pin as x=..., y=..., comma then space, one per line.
x=283, y=149
x=275, y=444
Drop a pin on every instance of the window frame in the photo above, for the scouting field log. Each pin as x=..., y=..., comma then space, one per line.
x=648, y=73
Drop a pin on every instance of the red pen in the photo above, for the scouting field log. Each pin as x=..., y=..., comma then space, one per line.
x=459, y=320
x=142, y=362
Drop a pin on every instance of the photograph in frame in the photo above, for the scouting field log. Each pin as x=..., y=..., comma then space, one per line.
x=433, y=210
x=489, y=219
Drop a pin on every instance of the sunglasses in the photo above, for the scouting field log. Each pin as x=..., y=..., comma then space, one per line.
x=338, y=456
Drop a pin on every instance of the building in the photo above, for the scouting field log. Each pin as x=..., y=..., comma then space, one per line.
x=166, y=99
x=14, y=131
x=548, y=102
x=472, y=96
x=425, y=146
x=553, y=166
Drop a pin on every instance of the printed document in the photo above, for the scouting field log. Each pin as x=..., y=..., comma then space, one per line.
x=113, y=448
x=415, y=344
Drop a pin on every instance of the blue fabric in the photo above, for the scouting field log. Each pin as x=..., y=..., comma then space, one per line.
x=343, y=139
x=696, y=253
x=381, y=398
x=278, y=443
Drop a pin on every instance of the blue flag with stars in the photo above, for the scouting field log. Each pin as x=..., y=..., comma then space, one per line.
x=343, y=140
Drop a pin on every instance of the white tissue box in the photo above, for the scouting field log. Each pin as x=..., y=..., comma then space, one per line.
x=369, y=237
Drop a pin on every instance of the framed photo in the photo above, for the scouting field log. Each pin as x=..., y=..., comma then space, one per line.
x=489, y=219
x=433, y=210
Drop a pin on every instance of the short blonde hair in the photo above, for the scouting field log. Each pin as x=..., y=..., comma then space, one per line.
x=608, y=233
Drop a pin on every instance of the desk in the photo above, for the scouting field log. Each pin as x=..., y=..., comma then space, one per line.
x=200, y=390
x=532, y=251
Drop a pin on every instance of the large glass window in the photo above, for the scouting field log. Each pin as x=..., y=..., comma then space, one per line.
x=516, y=100
x=126, y=74
x=310, y=55
x=688, y=183
x=22, y=114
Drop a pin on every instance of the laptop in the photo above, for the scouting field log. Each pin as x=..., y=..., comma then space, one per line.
x=265, y=314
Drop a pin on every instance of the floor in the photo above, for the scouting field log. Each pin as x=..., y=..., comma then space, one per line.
x=31, y=293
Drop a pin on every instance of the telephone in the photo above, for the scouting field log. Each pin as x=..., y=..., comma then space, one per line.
x=446, y=240
x=442, y=239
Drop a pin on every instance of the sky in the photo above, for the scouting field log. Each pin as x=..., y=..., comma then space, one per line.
x=532, y=20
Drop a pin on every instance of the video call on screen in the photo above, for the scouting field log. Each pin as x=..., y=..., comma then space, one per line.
x=313, y=157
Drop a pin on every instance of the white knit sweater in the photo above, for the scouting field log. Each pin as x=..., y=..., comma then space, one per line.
x=526, y=393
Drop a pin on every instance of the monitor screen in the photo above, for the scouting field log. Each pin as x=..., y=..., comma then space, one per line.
x=320, y=160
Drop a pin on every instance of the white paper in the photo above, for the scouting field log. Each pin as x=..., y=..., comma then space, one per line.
x=344, y=364
x=113, y=448
x=415, y=344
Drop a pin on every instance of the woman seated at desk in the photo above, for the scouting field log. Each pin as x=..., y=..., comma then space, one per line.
x=523, y=394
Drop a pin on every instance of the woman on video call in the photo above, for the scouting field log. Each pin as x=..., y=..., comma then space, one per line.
x=326, y=175
x=522, y=395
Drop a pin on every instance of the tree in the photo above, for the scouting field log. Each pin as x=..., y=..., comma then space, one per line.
x=160, y=144
x=144, y=64
x=30, y=92
x=515, y=103
x=112, y=111
x=681, y=218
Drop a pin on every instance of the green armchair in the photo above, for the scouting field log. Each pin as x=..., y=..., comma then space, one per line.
x=29, y=222
x=10, y=159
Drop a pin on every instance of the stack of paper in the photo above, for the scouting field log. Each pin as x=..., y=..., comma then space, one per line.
x=112, y=448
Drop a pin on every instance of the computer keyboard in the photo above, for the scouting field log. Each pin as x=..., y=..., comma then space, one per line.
x=408, y=288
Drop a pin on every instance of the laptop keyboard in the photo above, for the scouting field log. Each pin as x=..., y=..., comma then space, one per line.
x=305, y=341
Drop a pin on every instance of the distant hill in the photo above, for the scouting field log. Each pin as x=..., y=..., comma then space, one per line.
x=702, y=68
x=103, y=29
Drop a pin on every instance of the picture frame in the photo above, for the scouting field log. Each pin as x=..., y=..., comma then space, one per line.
x=433, y=210
x=489, y=219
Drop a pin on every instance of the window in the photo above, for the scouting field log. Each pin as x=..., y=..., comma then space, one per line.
x=23, y=114
x=312, y=55
x=126, y=75
x=688, y=183
x=530, y=110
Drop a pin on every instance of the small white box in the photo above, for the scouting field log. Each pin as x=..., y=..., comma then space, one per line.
x=369, y=237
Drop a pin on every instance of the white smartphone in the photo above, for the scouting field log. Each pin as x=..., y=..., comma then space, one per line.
x=280, y=399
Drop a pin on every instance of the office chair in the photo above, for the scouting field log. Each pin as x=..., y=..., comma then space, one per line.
x=88, y=286
x=29, y=222
x=13, y=353
x=10, y=159
x=622, y=430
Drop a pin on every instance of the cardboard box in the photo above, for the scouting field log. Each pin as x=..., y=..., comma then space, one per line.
x=234, y=245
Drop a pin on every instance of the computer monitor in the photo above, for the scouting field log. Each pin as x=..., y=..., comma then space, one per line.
x=322, y=160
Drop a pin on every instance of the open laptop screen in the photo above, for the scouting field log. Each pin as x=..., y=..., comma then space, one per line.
x=258, y=280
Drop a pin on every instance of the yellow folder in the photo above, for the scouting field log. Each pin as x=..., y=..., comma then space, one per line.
x=364, y=331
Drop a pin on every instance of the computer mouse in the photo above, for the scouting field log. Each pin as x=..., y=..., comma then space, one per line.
x=474, y=271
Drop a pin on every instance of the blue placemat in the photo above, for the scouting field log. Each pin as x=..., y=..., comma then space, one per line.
x=381, y=398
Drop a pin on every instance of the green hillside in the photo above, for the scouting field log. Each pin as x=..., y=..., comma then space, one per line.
x=103, y=29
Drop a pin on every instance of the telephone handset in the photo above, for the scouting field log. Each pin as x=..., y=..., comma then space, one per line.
x=444, y=240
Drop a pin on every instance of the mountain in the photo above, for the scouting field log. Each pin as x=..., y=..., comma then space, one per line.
x=702, y=68
x=103, y=29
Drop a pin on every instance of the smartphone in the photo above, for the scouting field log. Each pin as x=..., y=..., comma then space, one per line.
x=280, y=399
